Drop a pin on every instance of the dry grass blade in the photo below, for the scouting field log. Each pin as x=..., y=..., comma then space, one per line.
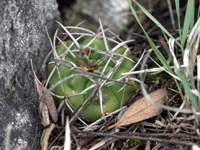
x=101, y=143
x=142, y=109
x=192, y=44
x=45, y=136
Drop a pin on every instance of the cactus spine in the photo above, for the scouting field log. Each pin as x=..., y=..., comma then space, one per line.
x=91, y=65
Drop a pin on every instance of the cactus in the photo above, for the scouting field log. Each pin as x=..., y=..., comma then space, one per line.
x=97, y=62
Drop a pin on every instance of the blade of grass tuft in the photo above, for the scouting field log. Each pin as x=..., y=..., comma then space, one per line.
x=188, y=21
x=178, y=16
x=153, y=19
x=182, y=75
x=157, y=52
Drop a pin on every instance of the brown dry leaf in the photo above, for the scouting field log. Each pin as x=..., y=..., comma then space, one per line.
x=43, y=110
x=44, y=114
x=50, y=105
x=142, y=109
x=47, y=105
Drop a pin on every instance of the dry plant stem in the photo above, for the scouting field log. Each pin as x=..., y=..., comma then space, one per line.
x=52, y=44
x=45, y=62
x=92, y=126
x=124, y=136
x=101, y=143
x=56, y=147
x=45, y=136
x=182, y=106
x=76, y=141
x=178, y=135
x=171, y=13
x=159, y=145
x=56, y=139
x=154, y=70
x=174, y=76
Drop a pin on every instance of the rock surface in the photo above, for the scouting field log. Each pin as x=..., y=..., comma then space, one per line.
x=113, y=14
x=22, y=37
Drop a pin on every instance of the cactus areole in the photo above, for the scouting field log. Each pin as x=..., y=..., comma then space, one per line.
x=97, y=58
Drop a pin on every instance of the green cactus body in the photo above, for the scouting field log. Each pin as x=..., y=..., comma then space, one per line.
x=77, y=84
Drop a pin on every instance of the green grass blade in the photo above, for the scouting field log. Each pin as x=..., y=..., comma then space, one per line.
x=188, y=21
x=155, y=21
x=156, y=51
x=192, y=15
x=178, y=16
x=187, y=88
x=163, y=60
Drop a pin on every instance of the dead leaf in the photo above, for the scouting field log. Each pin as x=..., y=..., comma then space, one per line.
x=50, y=105
x=46, y=105
x=142, y=109
x=44, y=114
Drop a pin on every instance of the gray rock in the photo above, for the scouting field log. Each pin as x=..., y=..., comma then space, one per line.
x=113, y=14
x=22, y=37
